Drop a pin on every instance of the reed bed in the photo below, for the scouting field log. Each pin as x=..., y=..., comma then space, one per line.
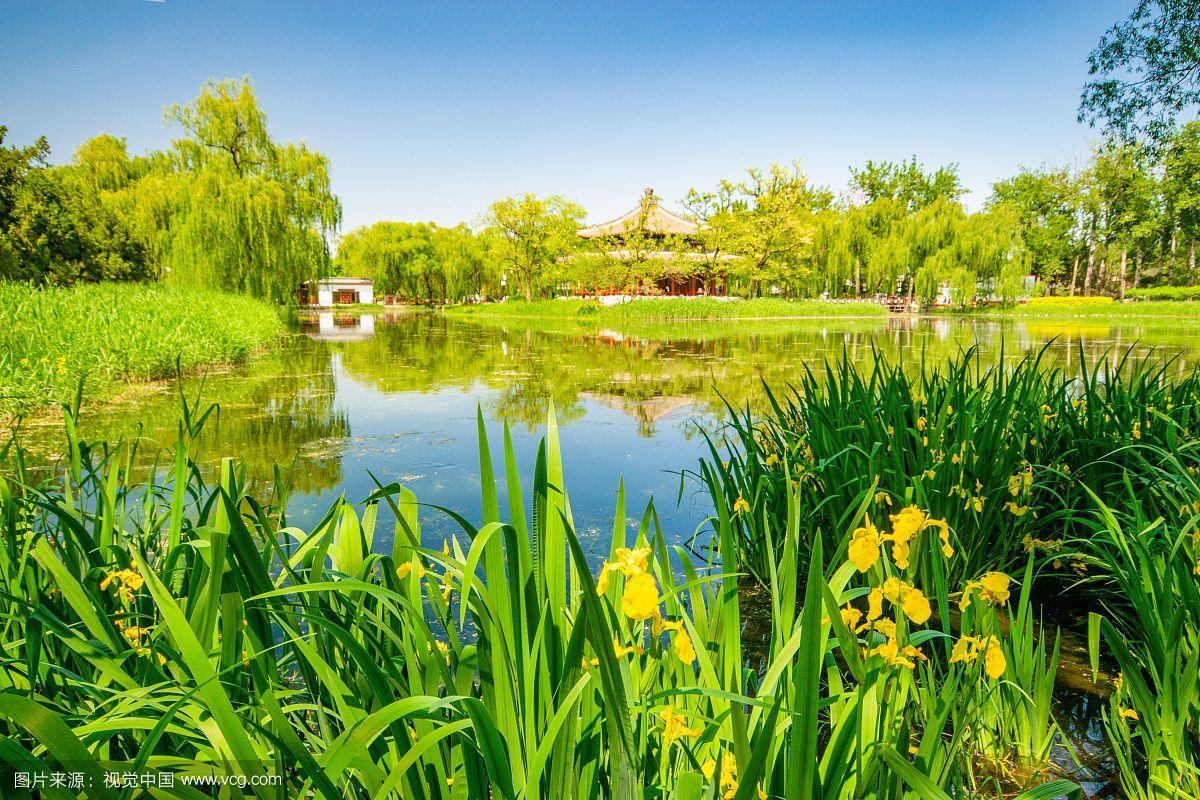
x=51, y=338
x=183, y=626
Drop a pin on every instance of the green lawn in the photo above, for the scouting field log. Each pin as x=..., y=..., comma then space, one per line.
x=671, y=309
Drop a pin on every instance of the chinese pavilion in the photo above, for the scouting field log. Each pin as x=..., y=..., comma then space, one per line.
x=650, y=232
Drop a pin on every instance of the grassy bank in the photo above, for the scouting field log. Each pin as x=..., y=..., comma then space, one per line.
x=1105, y=308
x=1163, y=293
x=108, y=334
x=669, y=310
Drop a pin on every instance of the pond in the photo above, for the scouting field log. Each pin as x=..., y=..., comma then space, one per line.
x=395, y=395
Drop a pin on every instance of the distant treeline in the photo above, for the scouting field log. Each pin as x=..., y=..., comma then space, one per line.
x=225, y=206
x=1129, y=217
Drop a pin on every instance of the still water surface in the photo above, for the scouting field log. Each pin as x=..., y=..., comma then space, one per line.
x=397, y=394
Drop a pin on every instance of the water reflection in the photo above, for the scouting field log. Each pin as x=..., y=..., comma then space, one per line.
x=396, y=394
x=332, y=326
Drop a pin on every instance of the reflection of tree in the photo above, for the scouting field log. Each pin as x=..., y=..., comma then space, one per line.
x=649, y=374
x=270, y=410
x=279, y=409
x=650, y=370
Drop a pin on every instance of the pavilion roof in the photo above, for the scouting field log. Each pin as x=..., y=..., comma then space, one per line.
x=647, y=216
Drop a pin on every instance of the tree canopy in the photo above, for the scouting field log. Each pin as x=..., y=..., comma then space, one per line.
x=419, y=261
x=225, y=206
x=528, y=234
x=1145, y=72
x=54, y=229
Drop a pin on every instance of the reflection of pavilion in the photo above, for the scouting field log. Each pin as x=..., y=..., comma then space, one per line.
x=330, y=326
x=647, y=412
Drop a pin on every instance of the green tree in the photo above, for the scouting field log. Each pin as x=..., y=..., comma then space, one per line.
x=767, y=220
x=1045, y=202
x=1181, y=198
x=419, y=261
x=1128, y=192
x=529, y=234
x=226, y=206
x=1145, y=72
x=55, y=229
x=250, y=214
x=908, y=183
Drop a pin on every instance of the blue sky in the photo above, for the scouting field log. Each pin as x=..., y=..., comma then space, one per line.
x=431, y=112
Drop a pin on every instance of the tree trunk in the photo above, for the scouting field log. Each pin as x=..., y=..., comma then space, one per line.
x=1091, y=268
x=857, y=278
x=1192, y=262
x=529, y=286
x=1137, y=269
x=1074, y=276
x=1124, y=259
x=1171, y=263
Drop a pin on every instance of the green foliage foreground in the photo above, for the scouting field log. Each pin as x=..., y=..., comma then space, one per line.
x=108, y=333
x=183, y=626
x=1093, y=480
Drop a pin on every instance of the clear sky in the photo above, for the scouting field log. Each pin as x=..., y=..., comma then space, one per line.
x=430, y=112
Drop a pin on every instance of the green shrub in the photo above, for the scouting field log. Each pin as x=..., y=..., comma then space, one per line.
x=1165, y=293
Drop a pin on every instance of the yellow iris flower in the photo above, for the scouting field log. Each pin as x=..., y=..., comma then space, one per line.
x=864, y=546
x=675, y=727
x=640, y=600
x=993, y=588
x=968, y=648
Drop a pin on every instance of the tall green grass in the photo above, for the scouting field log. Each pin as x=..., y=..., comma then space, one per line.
x=1090, y=482
x=1008, y=454
x=185, y=626
x=1152, y=631
x=670, y=309
x=105, y=334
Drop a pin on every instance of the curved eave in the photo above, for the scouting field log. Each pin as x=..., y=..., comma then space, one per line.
x=658, y=221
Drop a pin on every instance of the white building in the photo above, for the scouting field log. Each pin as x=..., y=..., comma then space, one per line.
x=338, y=291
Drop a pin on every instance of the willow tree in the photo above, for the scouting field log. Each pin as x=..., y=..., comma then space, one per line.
x=418, y=261
x=225, y=206
x=250, y=214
